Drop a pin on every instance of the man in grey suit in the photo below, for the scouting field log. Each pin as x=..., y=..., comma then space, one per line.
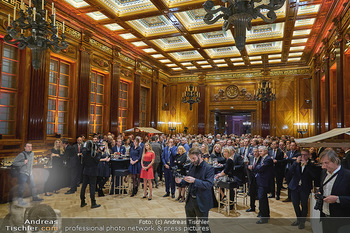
x=157, y=148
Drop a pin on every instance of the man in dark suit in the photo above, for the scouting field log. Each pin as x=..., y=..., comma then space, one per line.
x=263, y=173
x=302, y=173
x=290, y=157
x=200, y=191
x=253, y=187
x=168, y=156
x=345, y=162
x=335, y=187
x=72, y=154
x=118, y=150
x=238, y=167
x=157, y=148
x=91, y=158
x=278, y=169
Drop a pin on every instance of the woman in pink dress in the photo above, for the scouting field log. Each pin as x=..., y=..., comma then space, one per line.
x=147, y=161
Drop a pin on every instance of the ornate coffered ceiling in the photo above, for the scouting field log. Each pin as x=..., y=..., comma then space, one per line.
x=173, y=35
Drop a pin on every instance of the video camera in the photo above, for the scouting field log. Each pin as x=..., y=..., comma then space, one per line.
x=319, y=201
x=176, y=172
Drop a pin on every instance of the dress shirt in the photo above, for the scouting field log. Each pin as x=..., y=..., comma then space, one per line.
x=327, y=190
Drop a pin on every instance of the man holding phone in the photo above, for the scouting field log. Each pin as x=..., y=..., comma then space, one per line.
x=199, y=199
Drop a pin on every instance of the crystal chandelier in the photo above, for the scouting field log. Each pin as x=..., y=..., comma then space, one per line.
x=240, y=13
x=191, y=96
x=32, y=30
x=264, y=93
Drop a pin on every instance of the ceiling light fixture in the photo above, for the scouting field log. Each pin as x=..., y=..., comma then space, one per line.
x=240, y=13
x=41, y=35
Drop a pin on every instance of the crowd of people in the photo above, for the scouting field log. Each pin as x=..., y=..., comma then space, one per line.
x=265, y=164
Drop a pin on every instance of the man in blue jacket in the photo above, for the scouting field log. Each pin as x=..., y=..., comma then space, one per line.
x=168, y=155
x=200, y=191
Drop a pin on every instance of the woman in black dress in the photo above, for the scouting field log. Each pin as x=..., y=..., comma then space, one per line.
x=135, y=165
x=54, y=182
x=180, y=161
x=103, y=169
x=228, y=171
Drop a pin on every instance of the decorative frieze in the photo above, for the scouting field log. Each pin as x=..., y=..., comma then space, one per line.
x=101, y=46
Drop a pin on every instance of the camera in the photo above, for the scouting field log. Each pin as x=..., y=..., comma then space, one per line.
x=176, y=172
x=100, y=146
x=319, y=201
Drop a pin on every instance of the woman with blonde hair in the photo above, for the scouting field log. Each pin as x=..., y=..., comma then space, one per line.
x=147, y=162
x=54, y=182
x=205, y=151
x=180, y=161
x=228, y=171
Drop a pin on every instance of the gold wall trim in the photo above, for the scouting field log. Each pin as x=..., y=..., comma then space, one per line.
x=100, y=46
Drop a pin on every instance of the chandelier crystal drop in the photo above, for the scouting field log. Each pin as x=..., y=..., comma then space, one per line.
x=33, y=30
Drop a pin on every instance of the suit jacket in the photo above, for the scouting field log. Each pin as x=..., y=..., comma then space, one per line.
x=290, y=160
x=203, y=185
x=122, y=149
x=157, y=148
x=345, y=163
x=238, y=167
x=242, y=151
x=263, y=172
x=71, y=155
x=341, y=188
x=306, y=177
x=90, y=162
x=279, y=166
x=169, y=155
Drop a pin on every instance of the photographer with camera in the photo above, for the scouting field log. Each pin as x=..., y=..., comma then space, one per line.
x=333, y=198
x=302, y=173
x=91, y=158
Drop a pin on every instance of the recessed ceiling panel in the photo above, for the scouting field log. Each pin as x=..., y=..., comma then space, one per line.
x=114, y=27
x=304, y=22
x=302, y=32
x=308, y=9
x=172, y=43
x=214, y=38
x=187, y=55
x=129, y=7
x=77, y=3
x=267, y=31
x=97, y=15
x=152, y=26
x=281, y=13
x=269, y=47
x=176, y=3
x=193, y=19
x=222, y=52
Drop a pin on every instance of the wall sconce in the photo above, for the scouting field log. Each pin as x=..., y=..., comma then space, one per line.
x=302, y=128
x=172, y=126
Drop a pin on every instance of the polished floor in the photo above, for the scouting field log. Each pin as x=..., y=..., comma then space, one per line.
x=116, y=206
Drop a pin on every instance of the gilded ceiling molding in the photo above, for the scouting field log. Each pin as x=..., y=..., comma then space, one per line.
x=146, y=69
x=68, y=30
